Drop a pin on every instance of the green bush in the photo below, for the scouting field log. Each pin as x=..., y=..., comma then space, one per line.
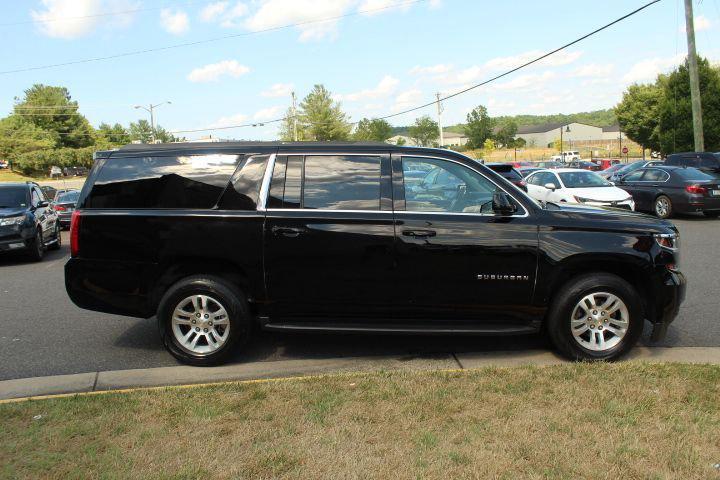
x=38, y=162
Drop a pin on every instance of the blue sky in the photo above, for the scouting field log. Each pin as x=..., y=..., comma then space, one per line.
x=375, y=61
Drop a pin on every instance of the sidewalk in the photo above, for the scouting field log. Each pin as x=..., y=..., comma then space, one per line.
x=185, y=375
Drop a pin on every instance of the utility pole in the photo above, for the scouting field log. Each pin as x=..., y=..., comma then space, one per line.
x=294, y=114
x=151, y=110
x=440, y=111
x=694, y=79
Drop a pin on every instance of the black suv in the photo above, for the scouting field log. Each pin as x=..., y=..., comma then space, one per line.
x=27, y=222
x=217, y=238
x=705, y=161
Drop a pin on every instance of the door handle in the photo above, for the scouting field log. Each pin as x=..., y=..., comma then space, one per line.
x=291, y=232
x=419, y=233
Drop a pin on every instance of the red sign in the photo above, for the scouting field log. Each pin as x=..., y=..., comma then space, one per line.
x=625, y=150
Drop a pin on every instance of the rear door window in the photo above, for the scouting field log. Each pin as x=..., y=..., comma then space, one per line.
x=339, y=182
x=177, y=181
x=655, y=175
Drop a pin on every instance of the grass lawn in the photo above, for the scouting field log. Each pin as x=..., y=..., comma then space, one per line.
x=8, y=176
x=571, y=421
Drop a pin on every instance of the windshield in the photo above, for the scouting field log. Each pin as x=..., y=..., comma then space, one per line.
x=68, y=197
x=13, y=197
x=583, y=180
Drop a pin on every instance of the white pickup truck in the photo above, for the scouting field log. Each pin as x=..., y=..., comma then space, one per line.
x=568, y=156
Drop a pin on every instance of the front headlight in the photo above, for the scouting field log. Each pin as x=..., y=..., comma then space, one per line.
x=670, y=241
x=4, y=222
x=581, y=199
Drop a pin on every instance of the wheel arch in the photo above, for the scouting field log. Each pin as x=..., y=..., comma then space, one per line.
x=175, y=269
x=627, y=267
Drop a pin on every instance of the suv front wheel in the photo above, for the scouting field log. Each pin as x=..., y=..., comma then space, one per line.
x=595, y=317
x=201, y=319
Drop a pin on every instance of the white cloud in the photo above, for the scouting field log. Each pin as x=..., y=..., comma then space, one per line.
x=528, y=82
x=268, y=113
x=506, y=63
x=432, y=69
x=594, y=70
x=385, y=87
x=275, y=13
x=278, y=90
x=80, y=17
x=230, y=18
x=213, y=71
x=228, y=121
x=407, y=99
x=647, y=70
x=701, y=23
x=213, y=10
x=374, y=7
x=176, y=23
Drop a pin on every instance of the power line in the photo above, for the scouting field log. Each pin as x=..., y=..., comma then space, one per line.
x=96, y=15
x=215, y=39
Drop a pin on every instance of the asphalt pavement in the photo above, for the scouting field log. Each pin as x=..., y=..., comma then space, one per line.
x=43, y=333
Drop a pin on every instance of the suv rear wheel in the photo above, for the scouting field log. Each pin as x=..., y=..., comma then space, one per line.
x=202, y=318
x=595, y=317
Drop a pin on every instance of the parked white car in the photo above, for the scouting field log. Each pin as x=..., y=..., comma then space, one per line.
x=573, y=185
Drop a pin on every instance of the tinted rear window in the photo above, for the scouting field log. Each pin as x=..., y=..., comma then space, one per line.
x=693, y=174
x=342, y=182
x=187, y=181
x=68, y=197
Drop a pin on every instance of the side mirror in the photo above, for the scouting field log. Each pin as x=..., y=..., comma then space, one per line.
x=502, y=205
x=550, y=186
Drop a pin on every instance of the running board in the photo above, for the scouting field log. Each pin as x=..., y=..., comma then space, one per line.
x=430, y=328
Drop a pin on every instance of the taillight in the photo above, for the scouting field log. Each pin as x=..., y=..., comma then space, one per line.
x=696, y=189
x=75, y=233
x=60, y=208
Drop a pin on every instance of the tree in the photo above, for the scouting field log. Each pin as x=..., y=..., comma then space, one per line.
x=400, y=141
x=638, y=114
x=424, y=131
x=321, y=118
x=140, y=131
x=287, y=128
x=373, y=130
x=18, y=136
x=507, y=129
x=488, y=147
x=112, y=135
x=674, y=129
x=51, y=109
x=479, y=127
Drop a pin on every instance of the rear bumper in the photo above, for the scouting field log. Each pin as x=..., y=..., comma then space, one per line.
x=120, y=288
x=668, y=295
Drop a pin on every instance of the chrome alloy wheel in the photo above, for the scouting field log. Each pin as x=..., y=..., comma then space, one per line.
x=200, y=324
x=599, y=321
x=662, y=207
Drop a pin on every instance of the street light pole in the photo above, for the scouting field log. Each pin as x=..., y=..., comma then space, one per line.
x=151, y=110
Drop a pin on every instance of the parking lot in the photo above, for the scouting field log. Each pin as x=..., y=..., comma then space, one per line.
x=43, y=333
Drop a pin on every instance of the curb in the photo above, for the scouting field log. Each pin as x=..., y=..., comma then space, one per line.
x=185, y=376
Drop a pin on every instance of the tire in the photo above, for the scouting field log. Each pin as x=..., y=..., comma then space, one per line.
x=565, y=314
x=56, y=245
x=195, y=320
x=37, y=247
x=662, y=207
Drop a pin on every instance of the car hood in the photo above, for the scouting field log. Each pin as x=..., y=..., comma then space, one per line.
x=637, y=220
x=603, y=194
x=12, y=212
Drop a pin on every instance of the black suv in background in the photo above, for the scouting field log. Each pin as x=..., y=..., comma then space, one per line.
x=27, y=222
x=705, y=161
x=217, y=238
